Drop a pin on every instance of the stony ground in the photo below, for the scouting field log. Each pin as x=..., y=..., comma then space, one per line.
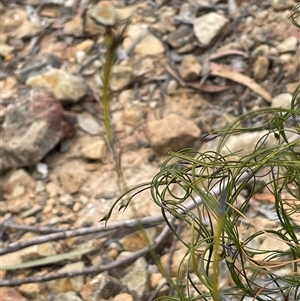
x=184, y=69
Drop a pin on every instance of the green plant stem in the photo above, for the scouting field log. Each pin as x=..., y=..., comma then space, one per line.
x=112, y=43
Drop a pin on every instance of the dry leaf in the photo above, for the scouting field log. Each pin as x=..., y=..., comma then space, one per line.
x=218, y=70
x=198, y=86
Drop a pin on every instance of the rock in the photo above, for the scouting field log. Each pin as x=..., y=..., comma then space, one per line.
x=29, y=29
x=124, y=13
x=90, y=27
x=137, y=280
x=261, y=68
x=269, y=246
x=74, y=27
x=155, y=280
x=120, y=77
x=103, y=13
x=136, y=240
x=172, y=133
x=33, y=127
x=8, y=87
x=177, y=265
x=101, y=287
x=65, y=86
x=39, y=187
x=283, y=100
x=6, y=50
x=33, y=210
x=39, y=64
x=131, y=116
x=68, y=284
x=52, y=189
x=13, y=19
x=18, y=191
x=261, y=50
x=69, y=182
x=30, y=290
x=123, y=297
x=66, y=200
x=285, y=58
x=160, y=2
x=241, y=144
x=10, y=294
x=287, y=45
x=42, y=170
x=279, y=5
x=85, y=46
x=181, y=36
x=95, y=150
x=15, y=179
x=68, y=296
x=187, y=10
x=88, y=124
x=71, y=175
x=172, y=86
x=189, y=68
x=209, y=27
x=148, y=45
x=38, y=251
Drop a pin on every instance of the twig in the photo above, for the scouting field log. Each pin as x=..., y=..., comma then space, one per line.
x=97, y=269
x=132, y=223
x=39, y=229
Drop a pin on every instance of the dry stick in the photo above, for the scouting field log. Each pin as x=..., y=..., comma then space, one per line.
x=148, y=221
x=97, y=269
x=132, y=223
x=38, y=229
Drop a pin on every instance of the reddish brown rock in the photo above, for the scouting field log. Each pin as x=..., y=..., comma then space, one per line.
x=32, y=128
x=10, y=294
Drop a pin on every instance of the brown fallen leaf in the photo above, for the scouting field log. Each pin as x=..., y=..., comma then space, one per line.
x=197, y=86
x=219, y=54
x=218, y=70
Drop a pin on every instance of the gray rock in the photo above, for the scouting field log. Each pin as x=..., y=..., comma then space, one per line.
x=209, y=27
x=88, y=124
x=187, y=10
x=65, y=86
x=172, y=133
x=181, y=36
x=68, y=296
x=101, y=287
x=137, y=280
x=39, y=64
x=32, y=128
